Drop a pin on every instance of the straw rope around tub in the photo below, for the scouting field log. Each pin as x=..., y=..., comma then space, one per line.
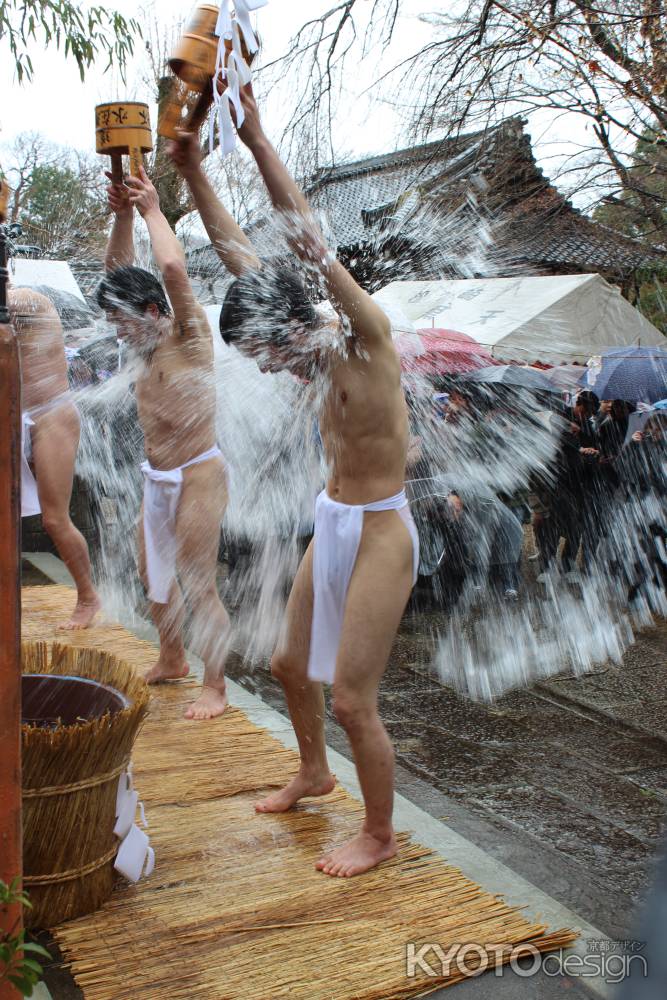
x=235, y=907
x=99, y=779
x=57, y=877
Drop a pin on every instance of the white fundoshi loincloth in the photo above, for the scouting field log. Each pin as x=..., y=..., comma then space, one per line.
x=162, y=491
x=338, y=528
x=29, y=496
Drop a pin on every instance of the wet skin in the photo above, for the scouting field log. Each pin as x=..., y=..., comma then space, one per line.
x=176, y=406
x=55, y=437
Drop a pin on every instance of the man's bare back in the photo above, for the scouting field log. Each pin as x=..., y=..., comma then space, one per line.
x=54, y=436
x=41, y=346
x=176, y=394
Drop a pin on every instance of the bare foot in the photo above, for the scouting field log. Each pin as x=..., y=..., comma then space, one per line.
x=210, y=703
x=83, y=615
x=299, y=787
x=168, y=668
x=358, y=855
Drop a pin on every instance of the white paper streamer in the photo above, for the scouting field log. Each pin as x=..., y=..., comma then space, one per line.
x=233, y=68
x=128, y=811
x=135, y=855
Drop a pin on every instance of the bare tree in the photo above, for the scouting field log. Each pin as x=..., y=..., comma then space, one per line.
x=160, y=42
x=603, y=61
x=57, y=196
x=22, y=156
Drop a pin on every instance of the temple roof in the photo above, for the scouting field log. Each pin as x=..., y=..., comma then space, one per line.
x=418, y=200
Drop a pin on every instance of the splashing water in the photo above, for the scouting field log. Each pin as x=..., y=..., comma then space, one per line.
x=471, y=484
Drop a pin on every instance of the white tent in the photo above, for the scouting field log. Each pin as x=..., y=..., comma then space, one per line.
x=527, y=319
x=54, y=273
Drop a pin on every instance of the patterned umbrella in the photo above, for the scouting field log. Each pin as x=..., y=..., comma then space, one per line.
x=441, y=352
x=635, y=374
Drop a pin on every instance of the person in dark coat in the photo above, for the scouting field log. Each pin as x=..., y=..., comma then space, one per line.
x=642, y=468
x=586, y=486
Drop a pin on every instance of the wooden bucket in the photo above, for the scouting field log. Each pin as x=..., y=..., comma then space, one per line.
x=4, y=199
x=183, y=109
x=82, y=709
x=193, y=60
x=123, y=128
x=191, y=96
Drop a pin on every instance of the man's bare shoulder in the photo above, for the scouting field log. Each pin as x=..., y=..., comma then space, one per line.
x=28, y=301
x=29, y=308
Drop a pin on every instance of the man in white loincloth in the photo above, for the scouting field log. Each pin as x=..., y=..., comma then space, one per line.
x=355, y=579
x=50, y=439
x=185, y=482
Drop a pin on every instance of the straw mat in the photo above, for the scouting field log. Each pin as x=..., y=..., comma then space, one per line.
x=235, y=909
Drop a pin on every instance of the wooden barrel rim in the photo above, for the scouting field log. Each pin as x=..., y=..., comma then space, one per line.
x=211, y=43
x=124, y=104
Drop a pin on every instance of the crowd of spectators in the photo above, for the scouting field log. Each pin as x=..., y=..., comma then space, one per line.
x=606, y=476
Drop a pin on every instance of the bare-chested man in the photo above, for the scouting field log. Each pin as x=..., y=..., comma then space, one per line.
x=51, y=431
x=355, y=579
x=185, y=489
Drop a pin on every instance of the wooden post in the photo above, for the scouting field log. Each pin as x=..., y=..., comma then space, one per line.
x=10, y=607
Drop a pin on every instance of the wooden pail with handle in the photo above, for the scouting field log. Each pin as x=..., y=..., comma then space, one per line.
x=193, y=64
x=193, y=60
x=123, y=128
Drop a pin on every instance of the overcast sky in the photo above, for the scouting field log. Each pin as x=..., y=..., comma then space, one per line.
x=58, y=105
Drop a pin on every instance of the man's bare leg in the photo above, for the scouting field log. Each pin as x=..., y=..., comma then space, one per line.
x=200, y=512
x=169, y=619
x=55, y=439
x=379, y=590
x=305, y=699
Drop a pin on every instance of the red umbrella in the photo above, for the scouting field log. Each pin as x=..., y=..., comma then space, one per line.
x=441, y=352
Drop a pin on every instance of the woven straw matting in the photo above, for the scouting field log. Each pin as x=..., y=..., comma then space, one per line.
x=235, y=909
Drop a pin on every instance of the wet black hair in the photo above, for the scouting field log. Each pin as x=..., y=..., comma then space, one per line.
x=263, y=304
x=132, y=287
x=588, y=399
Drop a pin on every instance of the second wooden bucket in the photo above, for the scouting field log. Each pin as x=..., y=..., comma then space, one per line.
x=193, y=60
x=123, y=128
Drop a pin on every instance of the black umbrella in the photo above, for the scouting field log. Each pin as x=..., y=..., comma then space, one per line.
x=74, y=313
x=513, y=376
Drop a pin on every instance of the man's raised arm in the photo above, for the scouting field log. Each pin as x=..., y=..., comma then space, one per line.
x=120, y=248
x=368, y=321
x=228, y=239
x=167, y=251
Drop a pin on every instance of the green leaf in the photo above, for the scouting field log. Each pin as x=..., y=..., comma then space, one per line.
x=30, y=963
x=36, y=949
